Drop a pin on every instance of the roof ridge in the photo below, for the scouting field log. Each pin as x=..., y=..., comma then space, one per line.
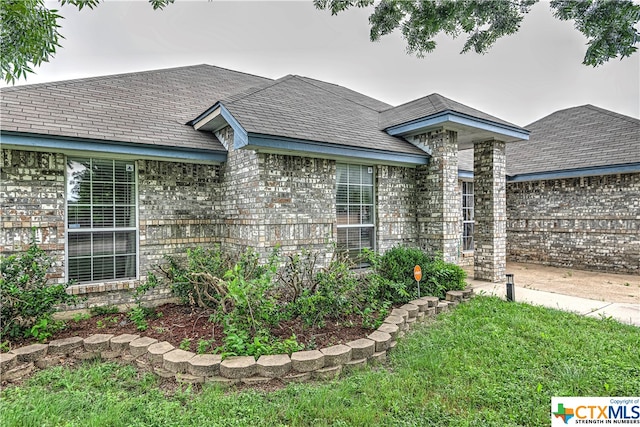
x=431, y=96
x=590, y=107
x=305, y=78
x=301, y=79
x=253, y=90
x=612, y=113
x=58, y=83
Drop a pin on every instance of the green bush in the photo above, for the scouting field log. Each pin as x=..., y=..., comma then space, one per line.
x=195, y=279
x=392, y=275
x=199, y=278
x=249, y=304
x=440, y=277
x=333, y=294
x=249, y=298
x=397, y=264
x=27, y=300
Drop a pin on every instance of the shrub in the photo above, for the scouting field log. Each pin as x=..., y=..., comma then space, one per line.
x=392, y=276
x=397, y=264
x=199, y=278
x=196, y=279
x=298, y=274
x=440, y=277
x=27, y=299
x=249, y=304
x=333, y=293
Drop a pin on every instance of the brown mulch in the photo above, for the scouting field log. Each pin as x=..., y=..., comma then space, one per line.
x=176, y=323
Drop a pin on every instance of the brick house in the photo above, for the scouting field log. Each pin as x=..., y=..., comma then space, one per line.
x=112, y=173
x=573, y=192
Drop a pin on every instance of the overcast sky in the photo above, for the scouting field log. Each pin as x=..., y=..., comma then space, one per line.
x=522, y=78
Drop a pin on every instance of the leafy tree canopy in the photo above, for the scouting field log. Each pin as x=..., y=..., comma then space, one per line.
x=29, y=33
x=608, y=25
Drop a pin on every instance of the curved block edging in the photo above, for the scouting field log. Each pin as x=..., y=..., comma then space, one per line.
x=167, y=361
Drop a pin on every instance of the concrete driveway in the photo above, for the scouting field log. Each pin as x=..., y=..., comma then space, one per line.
x=616, y=296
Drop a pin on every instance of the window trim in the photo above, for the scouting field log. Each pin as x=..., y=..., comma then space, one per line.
x=135, y=228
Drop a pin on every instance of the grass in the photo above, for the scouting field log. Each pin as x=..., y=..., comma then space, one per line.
x=488, y=363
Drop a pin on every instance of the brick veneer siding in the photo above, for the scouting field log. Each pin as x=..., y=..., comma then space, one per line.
x=179, y=206
x=274, y=199
x=299, y=202
x=590, y=223
x=255, y=200
x=489, y=164
x=396, y=207
x=439, y=199
x=32, y=191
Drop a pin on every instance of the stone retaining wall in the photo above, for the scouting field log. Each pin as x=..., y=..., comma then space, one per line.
x=167, y=361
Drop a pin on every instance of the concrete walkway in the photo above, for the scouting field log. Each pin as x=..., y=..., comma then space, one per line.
x=623, y=312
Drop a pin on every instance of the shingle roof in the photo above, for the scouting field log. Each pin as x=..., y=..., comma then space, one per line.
x=578, y=137
x=301, y=108
x=146, y=107
x=428, y=106
x=574, y=138
x=349, y=94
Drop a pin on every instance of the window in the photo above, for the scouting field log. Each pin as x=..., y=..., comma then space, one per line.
x=355, y=209
x=101, y=220
x=467, y=216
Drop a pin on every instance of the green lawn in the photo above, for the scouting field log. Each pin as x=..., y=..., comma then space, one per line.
x=488, y=363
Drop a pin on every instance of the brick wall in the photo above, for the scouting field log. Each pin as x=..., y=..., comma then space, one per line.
x=396, y=207
x=489, y=233
x=32, y=190
x=588, y=223
x=254, y=200
x=439, y=197
x=273, y=199
x=298, y=196
x=179, y=207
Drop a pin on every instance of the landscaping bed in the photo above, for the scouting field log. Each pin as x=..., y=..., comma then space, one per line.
x=184, y=327
x=488, y=363
x=232, y=306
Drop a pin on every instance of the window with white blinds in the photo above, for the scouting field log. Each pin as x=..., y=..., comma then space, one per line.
x=101, y=220
x=467, y=216
x=355, y=209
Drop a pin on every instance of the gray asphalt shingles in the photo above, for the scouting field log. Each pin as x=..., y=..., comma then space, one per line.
x=574, y=138
x=147, y=107
x=297, y=108
x=428, y=106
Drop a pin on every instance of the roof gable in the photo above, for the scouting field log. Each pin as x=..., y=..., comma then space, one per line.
x=584, y=139
x=430, y=105
x=301, y=109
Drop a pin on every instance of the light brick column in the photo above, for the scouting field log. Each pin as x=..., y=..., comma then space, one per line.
x=490, y=232
x=439, y=200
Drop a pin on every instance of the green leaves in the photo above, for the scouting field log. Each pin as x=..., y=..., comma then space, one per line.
x=336, y=6
x=27, y=300
x=29, y=33
x=28, y=36
x=392, y=277
x=608, y=25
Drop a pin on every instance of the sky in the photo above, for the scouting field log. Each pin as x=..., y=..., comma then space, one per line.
x=523, y=78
